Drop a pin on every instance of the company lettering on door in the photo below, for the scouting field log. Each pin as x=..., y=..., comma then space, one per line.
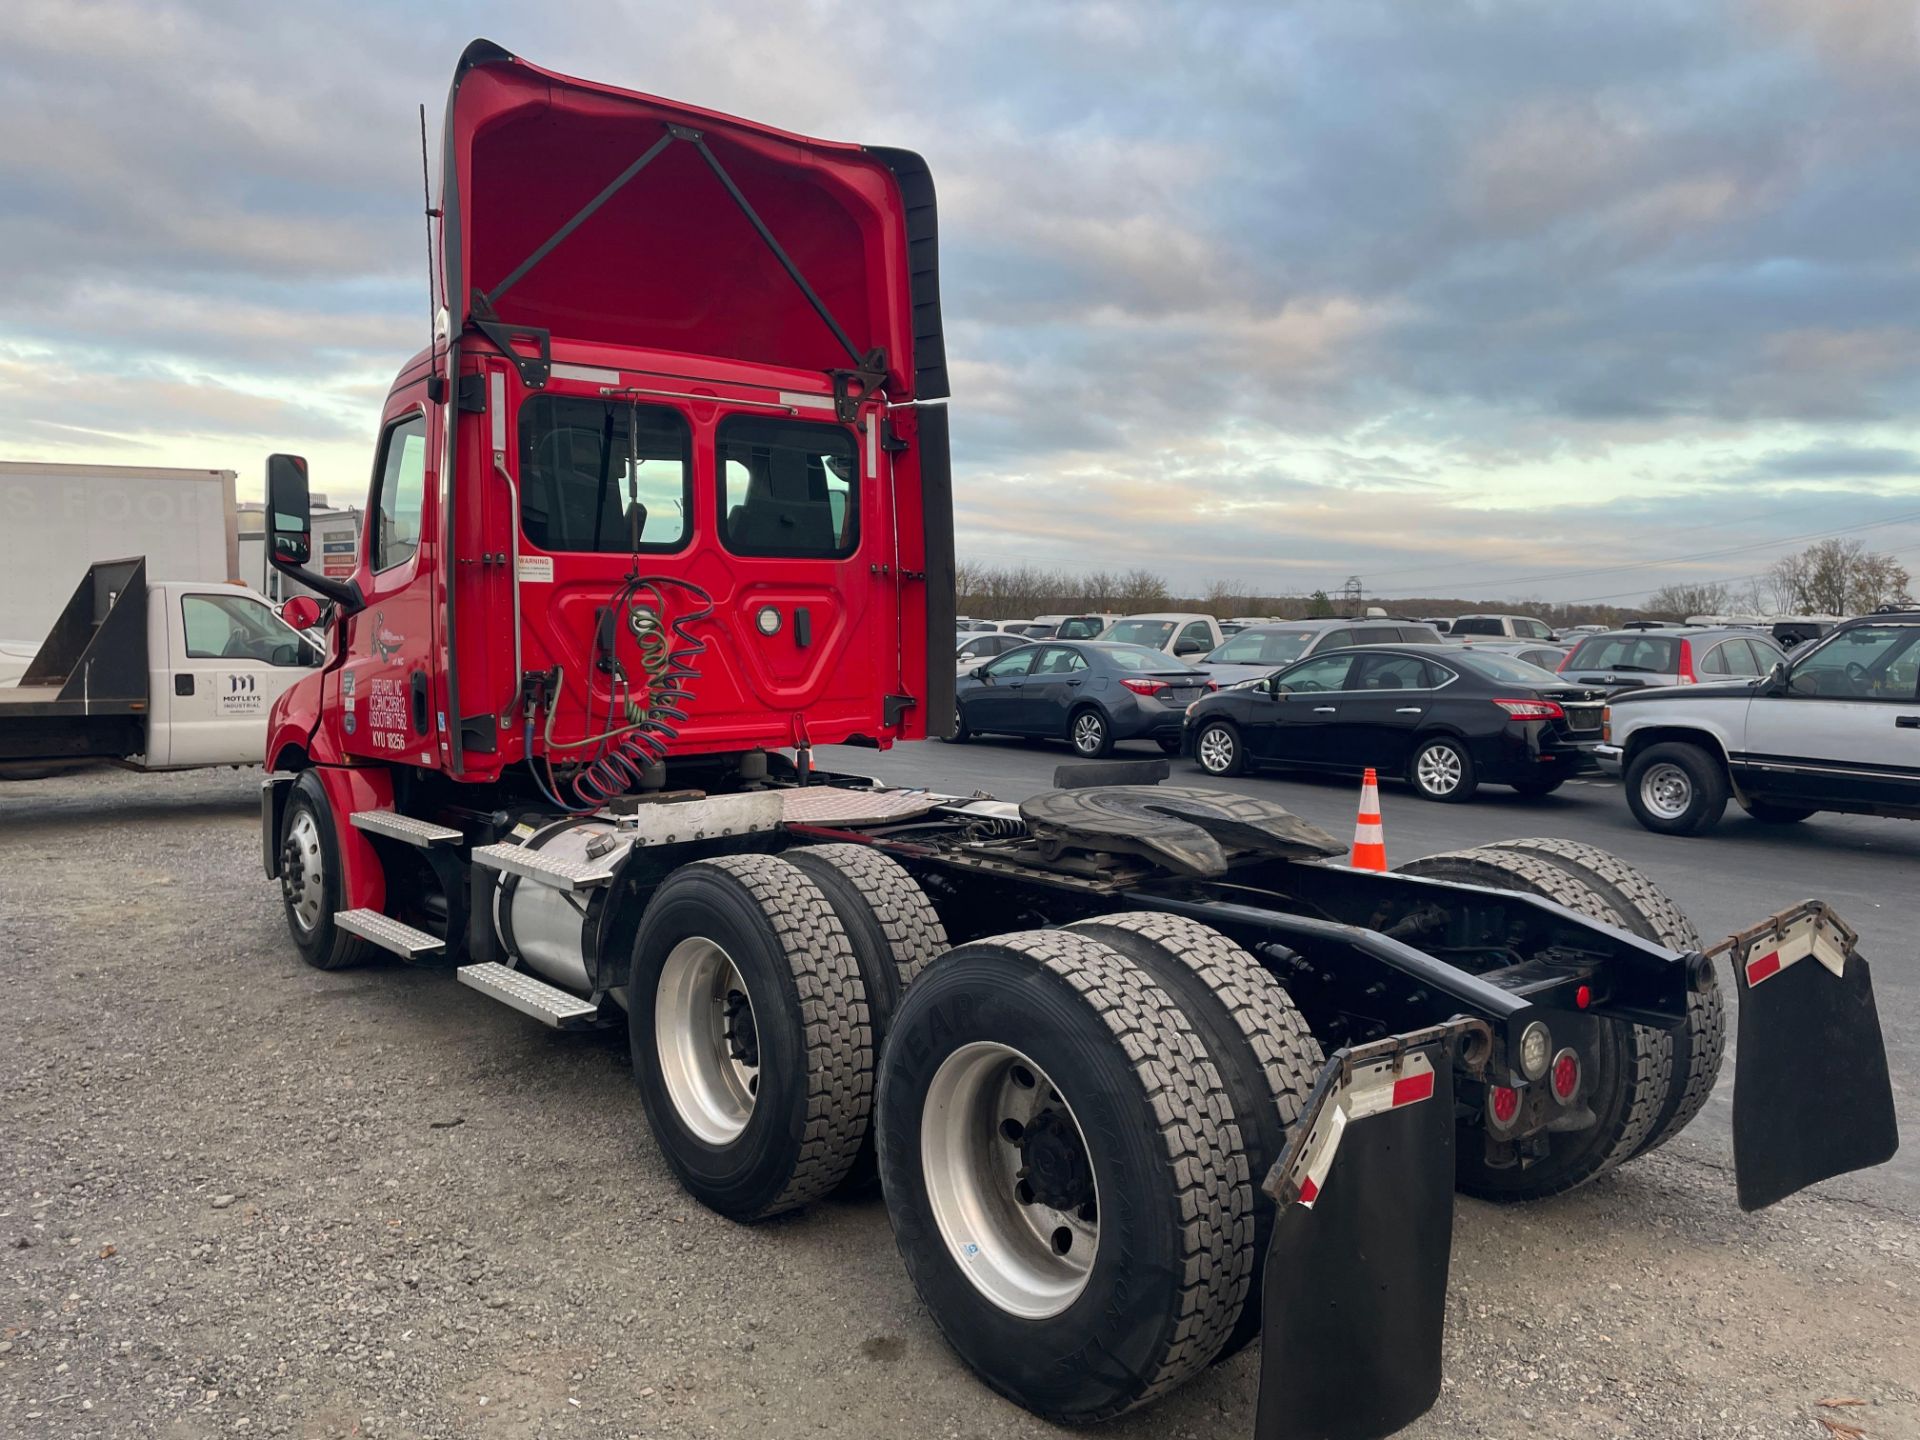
x=239, y=695
x=387, y=713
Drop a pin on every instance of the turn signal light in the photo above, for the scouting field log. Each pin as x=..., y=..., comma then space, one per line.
x=1145, y=687
x=1531, y=709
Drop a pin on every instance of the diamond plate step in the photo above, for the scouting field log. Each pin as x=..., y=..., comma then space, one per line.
x=548, y=1004
x=390, y=934
x=395, y=826
x=545, y=869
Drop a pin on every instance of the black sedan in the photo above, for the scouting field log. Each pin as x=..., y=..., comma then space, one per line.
x=1080, y=691
x=1448, y=719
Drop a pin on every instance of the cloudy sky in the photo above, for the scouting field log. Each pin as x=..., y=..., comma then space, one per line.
x=1489, y=299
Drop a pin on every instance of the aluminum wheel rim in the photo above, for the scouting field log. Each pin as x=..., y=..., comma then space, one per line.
x=303, y=871
x=1216, y=748
x=1087, y=733
x=1667, y=791
x=709, y=1061
x=1028, y=1258
x=1438, y=769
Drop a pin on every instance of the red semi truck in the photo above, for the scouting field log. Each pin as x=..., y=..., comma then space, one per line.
x=1143, y=1071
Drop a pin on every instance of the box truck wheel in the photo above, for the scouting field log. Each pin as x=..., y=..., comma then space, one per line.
x=1625, y=1071
x=1644, y=909
x=749, y=1029
x=1266, y=1056
x=1063, y=1173
x=892, y=927
x=310, y=880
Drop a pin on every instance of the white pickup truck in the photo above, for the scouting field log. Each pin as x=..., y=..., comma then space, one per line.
x=1836, y=727
x=164, y=676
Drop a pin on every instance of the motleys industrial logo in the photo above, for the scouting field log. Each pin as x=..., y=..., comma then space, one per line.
x=239, y=694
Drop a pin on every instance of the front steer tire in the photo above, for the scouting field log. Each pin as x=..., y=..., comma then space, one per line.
x=807, y=1114
x=1174, y=1243
x=1676, y=788
x=310, y=860
x=1628, y=1068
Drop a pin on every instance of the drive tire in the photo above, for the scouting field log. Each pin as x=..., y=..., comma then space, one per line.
x=306, y=827
x=1174, y=1243
x=1676, y=788
x=1435, y=758
x=1644, y=909
x=1628, y=1069
x=1229, y=751
x=1266, y=1056
x=892, y=928
x=1769, y=812
x=808, y=1116
x=1090, y=733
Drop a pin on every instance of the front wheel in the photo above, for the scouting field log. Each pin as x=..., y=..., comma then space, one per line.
x=1218, y=749
x=1090, y=734
x=1442, y=770
x=1767, y=812
x=1676, y=789
x=310, y=880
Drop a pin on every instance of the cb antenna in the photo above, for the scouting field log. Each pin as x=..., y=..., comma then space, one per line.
x=433, y=298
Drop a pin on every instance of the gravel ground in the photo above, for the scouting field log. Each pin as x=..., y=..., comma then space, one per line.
x=242, y=1197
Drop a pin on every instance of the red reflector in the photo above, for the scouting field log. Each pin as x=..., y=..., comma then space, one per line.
x=1145, y=687
x=1506, y=1104
x=1566, y=1075
x=1767, y=964
x=1308, y=1190
x=1414, y=1087
x=1583, y=997
x=1531, y=709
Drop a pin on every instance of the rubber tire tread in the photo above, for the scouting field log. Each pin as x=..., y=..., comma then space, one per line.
x=1260, y=1043
x=1195, y=1130
x=1647, y=1054
x=893, y=929
x=1649, y=912
x=333, y=948
x=833, y=1018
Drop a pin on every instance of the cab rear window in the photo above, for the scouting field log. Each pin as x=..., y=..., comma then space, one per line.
x=603, y=476
x=788, y=488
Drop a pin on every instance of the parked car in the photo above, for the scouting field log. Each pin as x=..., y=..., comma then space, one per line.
x=1535, y=652
x=1837, y=727
x=971, y=650
x=1515, y=627
x=1442, y=623
x=1083, y=627
x=1259, y=650
x=1640, y=659
x=1088, y=693
x=1447, y=719
x=1187, y=636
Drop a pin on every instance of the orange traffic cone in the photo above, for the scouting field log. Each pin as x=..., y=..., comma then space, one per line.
x=1369, y=840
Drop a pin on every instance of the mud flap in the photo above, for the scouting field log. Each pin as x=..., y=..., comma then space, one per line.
x=1811, y=1098
x=1356, y=1278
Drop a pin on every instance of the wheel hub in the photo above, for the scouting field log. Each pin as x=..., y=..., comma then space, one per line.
x=743, y=1040
x=1054, y=1162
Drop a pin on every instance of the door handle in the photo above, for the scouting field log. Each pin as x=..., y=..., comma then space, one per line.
x=1906, y=722
x=1324, y=709
x=1408, y=710
x=1073, y=684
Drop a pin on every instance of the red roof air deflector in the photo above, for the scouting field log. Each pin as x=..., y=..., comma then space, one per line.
x=669, y=260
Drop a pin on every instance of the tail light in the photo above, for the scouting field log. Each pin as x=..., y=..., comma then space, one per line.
x=1212, y=685
x=1565, y=660
x=1566, y=1076
x=1532, y=709
x=1686, y=663
x=1503, y=1106
x=1145, y=687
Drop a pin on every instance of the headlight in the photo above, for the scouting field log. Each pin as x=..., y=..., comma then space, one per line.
x=1536, y=1049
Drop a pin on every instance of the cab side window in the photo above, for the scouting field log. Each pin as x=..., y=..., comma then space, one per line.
x=393, y=520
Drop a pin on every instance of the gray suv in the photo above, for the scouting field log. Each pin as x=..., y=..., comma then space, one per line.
x=1622, y=660
x=1259, y=650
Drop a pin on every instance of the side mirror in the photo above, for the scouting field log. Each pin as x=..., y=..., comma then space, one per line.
x=1778, y=679
x=979, y=672
x=290, y=533
x=1274, y=687
x=289, y=511
x=302, y=612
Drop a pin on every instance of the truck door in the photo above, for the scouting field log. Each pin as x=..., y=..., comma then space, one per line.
x=385, y=694
x=1848, y=726
x=227, y=658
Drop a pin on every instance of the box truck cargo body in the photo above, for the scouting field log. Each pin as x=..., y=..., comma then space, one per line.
x=58, y=519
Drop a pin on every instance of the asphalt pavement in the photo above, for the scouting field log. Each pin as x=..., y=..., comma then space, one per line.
x=1740, y=873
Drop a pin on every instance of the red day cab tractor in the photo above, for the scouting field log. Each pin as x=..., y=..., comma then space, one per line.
x=1142, y=1071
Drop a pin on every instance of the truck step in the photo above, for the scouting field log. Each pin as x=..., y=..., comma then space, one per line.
x=546, y=869
x=548, y=1004
x=391, y=934
x=395, y=826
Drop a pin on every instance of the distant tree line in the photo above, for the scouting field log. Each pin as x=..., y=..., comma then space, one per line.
x=1838, y=577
